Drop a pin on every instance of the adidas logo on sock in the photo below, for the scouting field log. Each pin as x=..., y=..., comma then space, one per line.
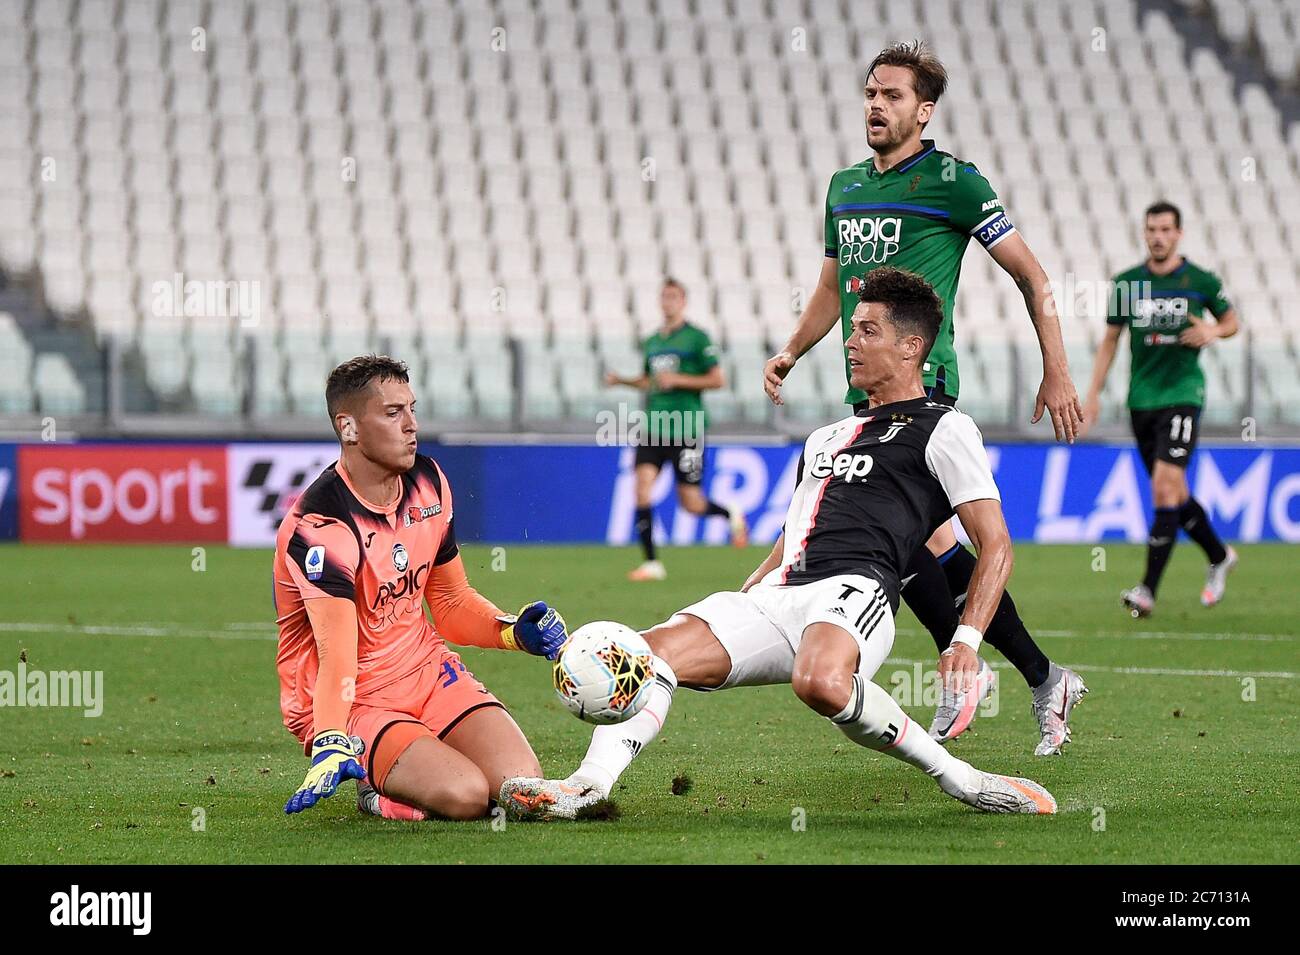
x=633, y=744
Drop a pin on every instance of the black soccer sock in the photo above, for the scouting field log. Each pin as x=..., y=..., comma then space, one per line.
x=1196, y=522
x=716, y=510
x=926, y=594
x=1164, y=534
x=1006, y=633
x=645, y=529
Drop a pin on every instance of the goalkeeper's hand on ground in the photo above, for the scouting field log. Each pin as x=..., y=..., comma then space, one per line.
x=538, y=629
x=332, y=761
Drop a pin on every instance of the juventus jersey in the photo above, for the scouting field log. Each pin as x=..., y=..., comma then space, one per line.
x=873, y=487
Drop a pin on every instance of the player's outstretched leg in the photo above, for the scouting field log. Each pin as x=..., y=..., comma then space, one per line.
x=433, y=778
x=692, y=498
x=1007, y=633
x=685, y=650
x=926, y=593
x=612, y=750
x=650, y=568
x=833, y=676
x=1170, y=496
x=1050, y=684
x=1141, y=600
x=1216, y=579
x=1196, y=523
x=1051, y=706
x=416, y=775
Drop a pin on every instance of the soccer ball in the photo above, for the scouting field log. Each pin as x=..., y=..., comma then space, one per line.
x=604, y=673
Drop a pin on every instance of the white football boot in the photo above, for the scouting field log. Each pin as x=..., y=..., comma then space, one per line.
x=1139, y=600
x=739, y=527
x=1052, y=705
x=957, y=710
x=993, y=793
x=1216, y=579
x=650, y=570
x=530, y=799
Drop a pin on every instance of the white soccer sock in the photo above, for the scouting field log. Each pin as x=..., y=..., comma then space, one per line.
x=614, y=747
x=872, y=719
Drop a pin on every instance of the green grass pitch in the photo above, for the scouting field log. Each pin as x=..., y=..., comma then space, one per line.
x=1185, y=750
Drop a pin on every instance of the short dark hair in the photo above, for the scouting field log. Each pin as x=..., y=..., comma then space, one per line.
x=913, y=307
x=354, y=376
x=1161, y=207
x=929, y=78
x=671, y=282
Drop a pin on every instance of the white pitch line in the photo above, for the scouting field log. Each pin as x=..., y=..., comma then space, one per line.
x=1132, y=671
x=246, y=632
x=138, y=630
x=1153, y=635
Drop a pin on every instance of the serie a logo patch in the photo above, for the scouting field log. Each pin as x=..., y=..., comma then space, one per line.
x=314, y=564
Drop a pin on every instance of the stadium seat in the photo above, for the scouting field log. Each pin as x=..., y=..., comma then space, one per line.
x=475, y=171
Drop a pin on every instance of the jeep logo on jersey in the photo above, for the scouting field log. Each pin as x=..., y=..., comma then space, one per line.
x=1159, y=312
x=415, y=515
x=868, y=240
x=844, y=465
x=400, y=558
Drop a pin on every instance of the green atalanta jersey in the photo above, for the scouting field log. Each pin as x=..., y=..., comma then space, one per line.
x=1156, y=308
x=918, y=216
x=687, y=351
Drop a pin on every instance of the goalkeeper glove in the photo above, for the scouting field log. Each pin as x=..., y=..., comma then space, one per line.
x=538, y=629
x=332, y=761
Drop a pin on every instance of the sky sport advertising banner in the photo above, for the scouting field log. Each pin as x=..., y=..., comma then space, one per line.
x=119, y=492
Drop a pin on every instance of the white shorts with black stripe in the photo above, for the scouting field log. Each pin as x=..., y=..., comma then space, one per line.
x=762, y=628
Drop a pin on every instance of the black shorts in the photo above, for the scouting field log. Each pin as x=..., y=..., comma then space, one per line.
x=687, y=460
x=1166, y=434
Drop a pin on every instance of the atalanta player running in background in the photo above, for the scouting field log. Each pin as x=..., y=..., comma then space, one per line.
x=818, y=612
x=911, y=206
x=680, y=364
x=1163, y=302
x=367, y=683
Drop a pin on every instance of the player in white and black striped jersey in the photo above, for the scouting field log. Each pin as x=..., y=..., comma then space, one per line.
x=818, y=613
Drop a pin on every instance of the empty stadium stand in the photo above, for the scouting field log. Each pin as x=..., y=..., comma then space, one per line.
x=235, y=195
